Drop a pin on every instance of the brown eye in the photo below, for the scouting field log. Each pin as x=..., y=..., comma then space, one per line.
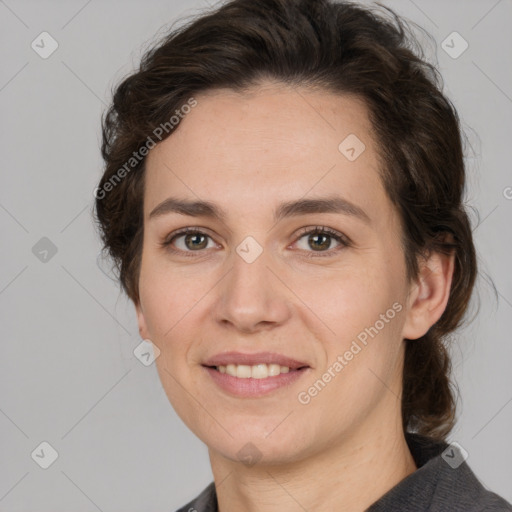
x=320, y=240
x=195, y=241
x=188, y=240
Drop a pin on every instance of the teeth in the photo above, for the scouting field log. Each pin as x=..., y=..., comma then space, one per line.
x=257, y=371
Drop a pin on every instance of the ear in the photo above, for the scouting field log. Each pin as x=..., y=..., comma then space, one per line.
x=428, y=294
x=141, y=320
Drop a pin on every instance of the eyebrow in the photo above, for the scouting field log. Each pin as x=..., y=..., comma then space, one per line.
x=296, y=208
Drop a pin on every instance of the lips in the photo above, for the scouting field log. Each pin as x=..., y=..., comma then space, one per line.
x=239, y=358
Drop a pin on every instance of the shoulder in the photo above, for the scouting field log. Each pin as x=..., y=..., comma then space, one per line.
x=461, y=488
x=443, y=481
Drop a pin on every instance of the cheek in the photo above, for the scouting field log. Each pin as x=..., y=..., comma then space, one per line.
x=351, y=298
x=168, y=295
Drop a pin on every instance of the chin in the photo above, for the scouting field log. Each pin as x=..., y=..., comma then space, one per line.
x=254, y=446
x=257, y=452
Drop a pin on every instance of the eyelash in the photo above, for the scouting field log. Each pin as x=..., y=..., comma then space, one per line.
x=343, y=240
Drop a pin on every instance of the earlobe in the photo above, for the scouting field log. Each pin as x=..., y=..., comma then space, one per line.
x=141, y=320
x=429, y=294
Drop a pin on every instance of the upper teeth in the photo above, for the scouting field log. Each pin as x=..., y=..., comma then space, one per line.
x=257, y=371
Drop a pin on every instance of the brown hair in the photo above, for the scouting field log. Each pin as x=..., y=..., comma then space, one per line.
x=341, y=47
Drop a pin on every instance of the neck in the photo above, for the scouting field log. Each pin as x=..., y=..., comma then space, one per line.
x=348, y=476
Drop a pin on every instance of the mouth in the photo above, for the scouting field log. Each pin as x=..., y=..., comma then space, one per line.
x=255, y=371
x=254, y=375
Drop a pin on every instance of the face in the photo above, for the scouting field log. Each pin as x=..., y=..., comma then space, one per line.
x=321, y=283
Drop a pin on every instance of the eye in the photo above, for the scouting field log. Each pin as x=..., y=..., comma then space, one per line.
x=320, y=240
x=187, y=240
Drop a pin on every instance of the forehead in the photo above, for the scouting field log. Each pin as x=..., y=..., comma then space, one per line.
x=270, y=144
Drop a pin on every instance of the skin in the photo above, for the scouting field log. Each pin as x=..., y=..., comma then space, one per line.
x=248, y=152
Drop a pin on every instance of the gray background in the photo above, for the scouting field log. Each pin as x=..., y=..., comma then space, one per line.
x=68, y=375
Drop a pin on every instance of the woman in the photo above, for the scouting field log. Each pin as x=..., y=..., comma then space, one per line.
x=283, y=197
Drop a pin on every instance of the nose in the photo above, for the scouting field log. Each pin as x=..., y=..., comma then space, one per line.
x=251, y=297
